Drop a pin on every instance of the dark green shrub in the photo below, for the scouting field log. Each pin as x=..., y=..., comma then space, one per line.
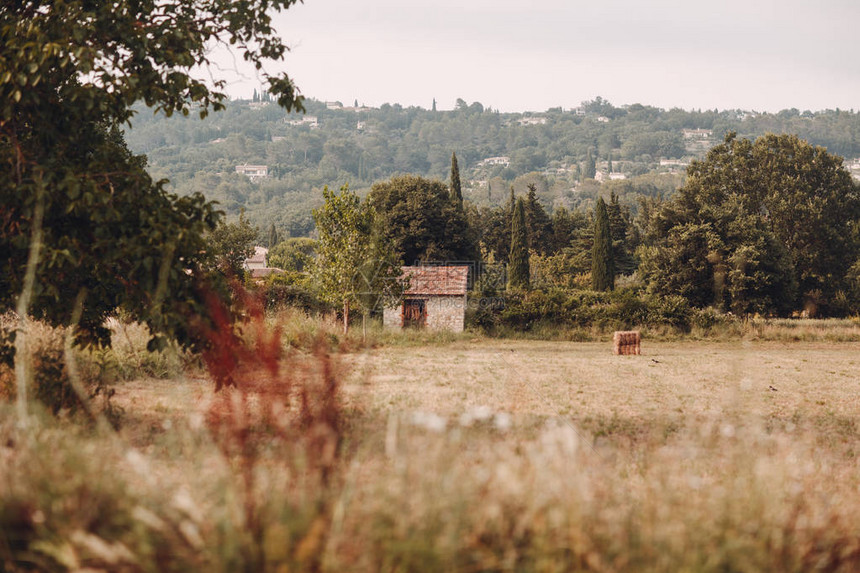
x=670, y=310
x=619, y=309
x=288, y=290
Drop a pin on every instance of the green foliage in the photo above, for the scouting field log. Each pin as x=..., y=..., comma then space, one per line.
x=538, y=223
x=602, y=267
x=653, y=145
x=231, y=244
x=70, y=73
x=762, y=227
x=493, y=226
x=561, y=270
x=589, y=168
x=91, y=60
x=272, y=237
x=566, y=308
x=518, y=265
x=456, y=187
x=109, y=234
x=416, y=217
x=355, y=263
x=200, y=155
x=344, y=227
x=281, y=291
x=295, y=254
x=565, y=225
x=620, y=228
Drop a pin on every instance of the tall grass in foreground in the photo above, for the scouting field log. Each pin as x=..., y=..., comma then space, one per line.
x=262, y=457
x=719, y=495
x=275, y=473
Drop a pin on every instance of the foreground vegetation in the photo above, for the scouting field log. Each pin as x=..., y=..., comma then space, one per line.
x=452, y=453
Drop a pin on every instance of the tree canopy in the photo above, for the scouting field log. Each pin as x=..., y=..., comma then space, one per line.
x=767, y=226
x=81, y=216
x=354, y=265
x=417, y=217
x=231, y=244
x=95, y=58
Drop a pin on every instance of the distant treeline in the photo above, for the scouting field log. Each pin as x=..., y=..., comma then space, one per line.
x=556, y=150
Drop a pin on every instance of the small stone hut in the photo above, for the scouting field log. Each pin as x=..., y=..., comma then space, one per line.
x=435, y=299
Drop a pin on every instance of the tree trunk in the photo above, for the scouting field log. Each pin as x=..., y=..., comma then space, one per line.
x=345, y=317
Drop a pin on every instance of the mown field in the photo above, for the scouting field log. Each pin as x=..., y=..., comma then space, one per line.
x=471, y=454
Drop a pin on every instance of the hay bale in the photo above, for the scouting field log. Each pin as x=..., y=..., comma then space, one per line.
x=626, y=342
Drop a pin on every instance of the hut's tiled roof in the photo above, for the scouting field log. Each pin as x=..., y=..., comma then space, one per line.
x=437, y=280
x=259, y=256
x=264, y=272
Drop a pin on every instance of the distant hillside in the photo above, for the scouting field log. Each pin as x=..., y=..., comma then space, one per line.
x=332, y=145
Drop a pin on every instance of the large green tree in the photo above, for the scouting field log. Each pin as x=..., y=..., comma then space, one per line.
x=89, y=230
x=84, y=229
x=620, y=225
x=354, y=263
x=344, y=227
x=417, y=218
x=768, y=226
x=83, y=226
x=231, y=244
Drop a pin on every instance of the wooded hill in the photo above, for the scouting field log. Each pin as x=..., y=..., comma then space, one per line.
x=555, y=150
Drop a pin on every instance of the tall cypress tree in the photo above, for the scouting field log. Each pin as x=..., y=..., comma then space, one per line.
x=537, y=221
x=518, y=265
x=273, y=236
x=456, y=191
x=602, y=271
x=589, y=169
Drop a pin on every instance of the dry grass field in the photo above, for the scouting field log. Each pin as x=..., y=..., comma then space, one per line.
x=583, y=380
x=473, y=454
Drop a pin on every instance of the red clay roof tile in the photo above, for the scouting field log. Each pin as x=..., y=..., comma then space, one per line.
x=437, y=280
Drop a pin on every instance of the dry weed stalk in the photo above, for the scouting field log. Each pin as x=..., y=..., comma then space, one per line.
x=269, y=407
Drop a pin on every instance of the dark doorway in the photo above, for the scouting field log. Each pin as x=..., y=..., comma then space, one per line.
x=414, y=313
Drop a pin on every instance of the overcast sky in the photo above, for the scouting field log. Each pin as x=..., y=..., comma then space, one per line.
x=762, y=55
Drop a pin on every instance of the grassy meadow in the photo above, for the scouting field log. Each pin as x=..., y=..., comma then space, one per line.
x=428, y=452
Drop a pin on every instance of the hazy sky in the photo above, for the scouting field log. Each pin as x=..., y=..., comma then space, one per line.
x=762, y=55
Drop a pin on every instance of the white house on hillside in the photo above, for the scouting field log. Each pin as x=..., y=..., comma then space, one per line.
x=253, y=172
